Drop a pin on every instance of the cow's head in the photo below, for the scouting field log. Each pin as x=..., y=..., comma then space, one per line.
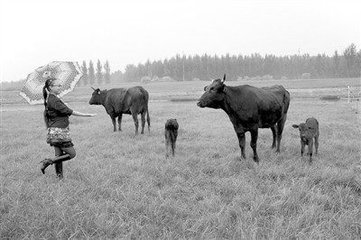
x=96, y=98
x=213, y=95
x=305, y=131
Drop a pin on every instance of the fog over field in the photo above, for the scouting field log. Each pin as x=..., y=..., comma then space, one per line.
x=37, y=32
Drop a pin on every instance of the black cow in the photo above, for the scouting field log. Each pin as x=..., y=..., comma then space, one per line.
x=117, y=101
x=249, y=108
x=170, y=133
x=309, y=130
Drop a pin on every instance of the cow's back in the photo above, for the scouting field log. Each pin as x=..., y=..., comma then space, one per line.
x=273, y=104
x=278, y=94
x=264, y=106
x=114, y=100
x=137, y=98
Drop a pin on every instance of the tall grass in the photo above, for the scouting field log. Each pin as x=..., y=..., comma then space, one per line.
x=121, y=185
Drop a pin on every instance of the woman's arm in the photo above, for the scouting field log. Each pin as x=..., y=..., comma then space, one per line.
x=79, y=114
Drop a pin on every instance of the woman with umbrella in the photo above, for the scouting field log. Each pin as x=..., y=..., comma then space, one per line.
x=56, y=116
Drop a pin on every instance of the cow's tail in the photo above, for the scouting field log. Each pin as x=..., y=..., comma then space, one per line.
x=148, y=120
x=286, y=101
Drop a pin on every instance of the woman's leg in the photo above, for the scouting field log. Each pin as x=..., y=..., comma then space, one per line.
x=49, y=161
x=62, y=154
x=65, y=154
x=58, y=165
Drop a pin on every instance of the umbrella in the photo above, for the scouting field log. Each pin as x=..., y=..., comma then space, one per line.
x=68, y=73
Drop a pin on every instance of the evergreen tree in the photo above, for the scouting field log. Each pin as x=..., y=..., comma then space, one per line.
x=350, y=55
x=84, y=69
x=99, y=74
x=336, y=65
x=91, y=75
x=358, y=66
x=107, y=72
x=116, y=76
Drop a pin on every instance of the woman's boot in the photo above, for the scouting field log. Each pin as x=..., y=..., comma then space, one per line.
x=45, y=163
x=59, y=169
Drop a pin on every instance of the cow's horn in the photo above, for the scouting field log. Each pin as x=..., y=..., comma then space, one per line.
x=224, y=78
x=93, y=88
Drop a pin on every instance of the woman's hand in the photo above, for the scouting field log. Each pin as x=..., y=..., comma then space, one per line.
x=79, y=114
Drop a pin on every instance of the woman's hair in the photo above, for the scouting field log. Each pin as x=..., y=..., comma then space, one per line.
x=46, y=88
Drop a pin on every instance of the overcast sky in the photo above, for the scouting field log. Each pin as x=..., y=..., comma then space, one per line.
x=36, y=32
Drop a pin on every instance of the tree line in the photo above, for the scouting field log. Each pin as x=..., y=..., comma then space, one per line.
x=205, y=67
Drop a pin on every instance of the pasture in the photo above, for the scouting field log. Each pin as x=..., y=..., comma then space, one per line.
x=121, y=186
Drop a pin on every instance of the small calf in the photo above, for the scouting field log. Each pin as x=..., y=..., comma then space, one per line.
x=171, y=133
x=308, y=131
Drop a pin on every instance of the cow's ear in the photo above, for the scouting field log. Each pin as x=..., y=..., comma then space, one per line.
x=224, y=78
x=221, y=88
x=295, y=126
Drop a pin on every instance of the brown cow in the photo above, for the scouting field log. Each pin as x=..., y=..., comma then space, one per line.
x=308, y=131
x=249, y=108
x=117, y=101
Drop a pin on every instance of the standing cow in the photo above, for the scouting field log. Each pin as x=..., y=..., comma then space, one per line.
x=308, y=131
x=117, y=101
x=171, y=133
x=249, y=108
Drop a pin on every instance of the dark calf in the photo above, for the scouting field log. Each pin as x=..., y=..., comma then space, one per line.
x=308, y=131
x=171, y=133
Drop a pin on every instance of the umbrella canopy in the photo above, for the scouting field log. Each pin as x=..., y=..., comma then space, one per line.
x=68, y=74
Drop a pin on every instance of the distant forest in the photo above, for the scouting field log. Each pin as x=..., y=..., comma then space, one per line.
x=184, y=68
x=188, y=68
x=205, y=67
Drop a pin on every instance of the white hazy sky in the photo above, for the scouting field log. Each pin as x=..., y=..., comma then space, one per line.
x=34, y=33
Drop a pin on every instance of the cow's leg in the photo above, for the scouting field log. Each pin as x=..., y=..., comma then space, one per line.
x=173, y=139
x=242, y=140
x=143, y=121
x=302, y=148
x=167, y=143
x=310, y=149
x=280, y=126
x=120, y=121
x=316, y=144
x=254, y=136
x=114, y=124
x=274, y=134
x=148, y=120
x=136, y=122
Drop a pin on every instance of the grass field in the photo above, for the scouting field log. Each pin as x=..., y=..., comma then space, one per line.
x=121, y=185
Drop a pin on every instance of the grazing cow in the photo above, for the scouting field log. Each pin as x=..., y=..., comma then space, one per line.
x=171, y=133
x=249, y=108
x=308, y=131
x=117, y=101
